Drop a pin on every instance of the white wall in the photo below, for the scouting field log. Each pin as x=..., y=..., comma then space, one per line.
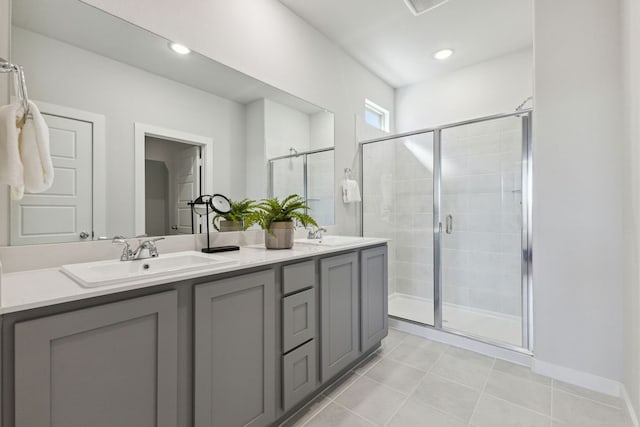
x=631, y=45
x=285, y=128
x=491, y=87
x=267, y=41
x=125, y=95
x=578, y=197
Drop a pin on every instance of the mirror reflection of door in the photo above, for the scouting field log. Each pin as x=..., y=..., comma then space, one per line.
x=64, y=212
x=172, y=179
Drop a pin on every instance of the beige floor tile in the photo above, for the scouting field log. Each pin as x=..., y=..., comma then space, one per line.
x=531, y=395
x=419, y=354
x=577, y=411
x=494, y=412
x=337, y=416
x=452, y=398
x=367, y=364
x=520, y=371
x=393, y=374
x=415, y=413
x=460, y=367
x=372, y=400
x=340, y=385
x=307, y=412
x=589, y=394
x=392, y=340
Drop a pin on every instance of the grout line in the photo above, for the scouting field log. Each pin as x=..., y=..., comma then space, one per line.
x=314, y=413
x=355, y=413
x=519, y=406
x=621, y=407
x=404, y=402
x=486, y=381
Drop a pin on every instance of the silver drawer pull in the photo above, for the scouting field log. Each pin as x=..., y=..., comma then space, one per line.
x=449, y=224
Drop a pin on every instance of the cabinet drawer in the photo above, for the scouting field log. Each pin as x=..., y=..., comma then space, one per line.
x=298, y=374
x=299, y=276
x=298, y=319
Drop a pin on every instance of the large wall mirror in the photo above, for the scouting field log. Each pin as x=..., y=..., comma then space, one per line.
x=138, y=130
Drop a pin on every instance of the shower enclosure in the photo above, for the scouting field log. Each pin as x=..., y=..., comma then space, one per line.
x=308, y=174
x=455, y=200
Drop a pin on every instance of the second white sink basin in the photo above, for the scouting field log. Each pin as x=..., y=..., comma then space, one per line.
x=331, y=241
x=101, y=273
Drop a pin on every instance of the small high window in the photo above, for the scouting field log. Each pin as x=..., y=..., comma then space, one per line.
x=376, y=116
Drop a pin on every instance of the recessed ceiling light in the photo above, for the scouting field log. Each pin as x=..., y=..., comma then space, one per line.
x=178, y=48
x=443, y=54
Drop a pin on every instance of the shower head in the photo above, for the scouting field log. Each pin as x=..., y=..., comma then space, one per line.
x=418, y=7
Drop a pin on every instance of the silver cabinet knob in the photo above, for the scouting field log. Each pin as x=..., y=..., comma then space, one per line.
x=84, y=235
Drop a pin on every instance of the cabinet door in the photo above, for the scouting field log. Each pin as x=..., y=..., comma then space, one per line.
x=339, y=313
x=110, y=365
x=298, y=374
x=374, y=292
x=235, y=352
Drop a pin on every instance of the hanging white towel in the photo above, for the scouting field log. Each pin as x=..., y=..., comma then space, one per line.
x=350, y=191
x=25, y=162
x=34, y=152
x=11, y=169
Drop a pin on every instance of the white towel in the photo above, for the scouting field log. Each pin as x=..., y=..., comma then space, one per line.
x=11, y=170
x=34, y=152
x=25, y=159
x=350, y=191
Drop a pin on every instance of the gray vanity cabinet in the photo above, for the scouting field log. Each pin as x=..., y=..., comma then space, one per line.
x=109, y=365
x=235, y=351
x=373, y=296
x=339, y=314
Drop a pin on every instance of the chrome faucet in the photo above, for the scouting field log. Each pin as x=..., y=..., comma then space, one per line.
x=316, y=234
x=145, y=249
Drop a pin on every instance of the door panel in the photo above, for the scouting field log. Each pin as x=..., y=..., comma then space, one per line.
x=481, y=215
x=186, y=175
x=67, y=205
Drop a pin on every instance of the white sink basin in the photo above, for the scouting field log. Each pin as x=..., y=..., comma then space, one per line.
x=101, y=273
x=330, y=241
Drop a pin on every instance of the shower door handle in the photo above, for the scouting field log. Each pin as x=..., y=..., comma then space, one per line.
x=449, y=224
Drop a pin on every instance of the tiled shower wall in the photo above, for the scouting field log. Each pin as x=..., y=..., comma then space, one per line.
x=480, y=189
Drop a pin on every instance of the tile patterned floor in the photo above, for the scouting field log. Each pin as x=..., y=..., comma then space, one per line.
x=412, y=381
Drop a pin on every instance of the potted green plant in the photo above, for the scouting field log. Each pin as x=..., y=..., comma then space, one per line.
x=238, y=219
x=278, y=218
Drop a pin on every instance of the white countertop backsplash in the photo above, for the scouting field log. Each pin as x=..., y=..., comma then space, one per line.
x=30, y=276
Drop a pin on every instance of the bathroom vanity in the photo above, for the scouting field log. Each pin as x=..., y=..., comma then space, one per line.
x=246, y=344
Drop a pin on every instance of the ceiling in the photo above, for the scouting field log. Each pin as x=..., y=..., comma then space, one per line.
x=397, y=46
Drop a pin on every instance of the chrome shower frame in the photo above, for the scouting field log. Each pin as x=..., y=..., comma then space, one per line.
x=526, y=230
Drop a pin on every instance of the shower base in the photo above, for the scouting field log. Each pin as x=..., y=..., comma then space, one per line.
x=479, y=323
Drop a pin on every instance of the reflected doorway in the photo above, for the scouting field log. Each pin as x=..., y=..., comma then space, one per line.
x=173, y=177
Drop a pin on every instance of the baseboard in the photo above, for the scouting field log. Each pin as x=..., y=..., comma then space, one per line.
x=579, y=378
x=630, y=408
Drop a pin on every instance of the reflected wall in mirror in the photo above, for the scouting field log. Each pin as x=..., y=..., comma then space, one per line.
x=138, y=130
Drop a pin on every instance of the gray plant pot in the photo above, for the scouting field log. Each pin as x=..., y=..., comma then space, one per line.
x=281, y=236
x=225, y=225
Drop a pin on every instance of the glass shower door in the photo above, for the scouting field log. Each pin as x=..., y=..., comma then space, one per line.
x=481, y=213
x=287, y=177
x=397, y=203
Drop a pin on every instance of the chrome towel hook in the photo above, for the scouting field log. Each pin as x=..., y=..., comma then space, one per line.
x=20, y=84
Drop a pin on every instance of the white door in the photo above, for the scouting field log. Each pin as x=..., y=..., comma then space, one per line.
x=186, y=178
x=63, y=213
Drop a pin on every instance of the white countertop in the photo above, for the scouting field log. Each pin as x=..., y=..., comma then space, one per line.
x=39, y=288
